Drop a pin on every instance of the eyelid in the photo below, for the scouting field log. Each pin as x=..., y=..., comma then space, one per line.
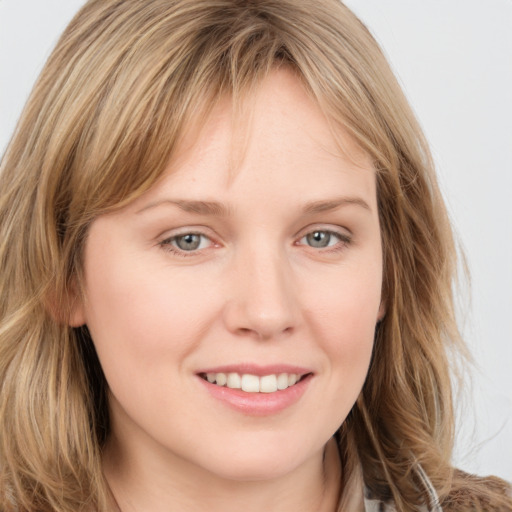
x=186, y=230
x=343, y=234
x=165, y=240
x=340, y=231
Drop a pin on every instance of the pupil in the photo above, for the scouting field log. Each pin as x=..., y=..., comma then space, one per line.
x=318, y=239
x=188, y=242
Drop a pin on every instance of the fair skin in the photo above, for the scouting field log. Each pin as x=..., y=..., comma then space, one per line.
x=269, y=263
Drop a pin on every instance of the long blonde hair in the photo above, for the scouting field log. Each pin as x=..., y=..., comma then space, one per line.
x=124, y=82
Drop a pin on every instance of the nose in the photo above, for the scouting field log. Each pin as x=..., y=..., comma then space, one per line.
x=262, y=301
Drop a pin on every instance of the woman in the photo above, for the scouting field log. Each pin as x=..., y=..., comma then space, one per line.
x=226, y=272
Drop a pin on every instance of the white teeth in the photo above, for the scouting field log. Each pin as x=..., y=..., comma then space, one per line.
x=234, y=381
x=268, y=384
x=221, y=379
x=252, y=383
x=282, y=381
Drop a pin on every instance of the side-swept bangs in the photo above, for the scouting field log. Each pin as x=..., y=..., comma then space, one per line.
x=125, y=83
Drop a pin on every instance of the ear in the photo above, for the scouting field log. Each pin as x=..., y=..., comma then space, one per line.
x=67, y=308
x=76, y=312
x=382, y=311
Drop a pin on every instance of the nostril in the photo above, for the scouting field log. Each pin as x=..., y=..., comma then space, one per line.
x=265, y=306
x=264, y=332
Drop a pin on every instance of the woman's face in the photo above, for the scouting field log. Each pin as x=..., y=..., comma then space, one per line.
x=259, y=265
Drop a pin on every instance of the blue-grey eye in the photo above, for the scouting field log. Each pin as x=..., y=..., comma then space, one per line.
x=188, y=242
x=320, y=239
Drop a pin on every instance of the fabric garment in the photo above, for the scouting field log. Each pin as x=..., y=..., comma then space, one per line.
x=357, y=497
x=375, y=505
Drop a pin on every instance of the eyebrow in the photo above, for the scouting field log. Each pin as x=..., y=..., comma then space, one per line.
x=211, y=208
x=216, y=209
x=333, y=204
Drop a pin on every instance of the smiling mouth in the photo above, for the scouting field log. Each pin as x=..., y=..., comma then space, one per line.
x=254, y=383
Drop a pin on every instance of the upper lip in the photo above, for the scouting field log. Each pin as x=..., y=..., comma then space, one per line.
x=259, y=370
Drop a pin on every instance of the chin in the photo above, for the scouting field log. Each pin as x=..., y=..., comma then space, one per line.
x=258, y=471
x=260, y=464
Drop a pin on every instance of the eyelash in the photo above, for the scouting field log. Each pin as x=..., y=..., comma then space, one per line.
x=167, y=244
x=343, y=241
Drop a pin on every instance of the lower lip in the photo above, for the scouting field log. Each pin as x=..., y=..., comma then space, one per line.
x=258, y=404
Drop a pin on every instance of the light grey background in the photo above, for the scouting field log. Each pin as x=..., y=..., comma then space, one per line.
x=454, y=60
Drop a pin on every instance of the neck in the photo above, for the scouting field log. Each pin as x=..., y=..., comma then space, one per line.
x=157, y=487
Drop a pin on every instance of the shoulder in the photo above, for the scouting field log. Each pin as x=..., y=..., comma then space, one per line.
x=474, y=493
x=469, y=493
x=373, y=504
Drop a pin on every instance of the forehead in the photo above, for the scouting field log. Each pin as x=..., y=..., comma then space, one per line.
x=275, y=144
x=277, y=121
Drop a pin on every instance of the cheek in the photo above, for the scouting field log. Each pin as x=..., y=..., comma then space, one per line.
x=139, y=319
x=143, y=331
x=345, y=307
x=348, y=341
x=142, y=323
x=344, y=317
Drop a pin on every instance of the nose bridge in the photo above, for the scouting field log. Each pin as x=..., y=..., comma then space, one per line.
x=263, y=300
